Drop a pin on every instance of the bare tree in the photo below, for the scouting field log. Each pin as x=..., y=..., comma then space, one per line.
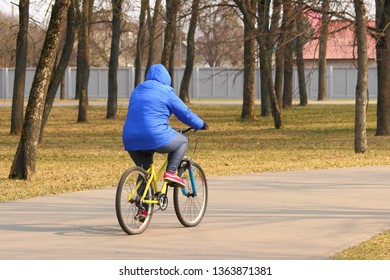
x=59, y=71
x=248, y=9
x=288, y=55
x=9, y=28
x=323, y=41
x=279, y=56
x=24, y=164
x=172, y=7
x=8, y=25
x=140, y=42
x=383, y=66
x=299, y=44
x=362, y=78
x=265, y=54
x=20, y=69
x=266, y=39
x=112, y=99
x=185, y=82
x=83, y=55
x=219, y=42
x=152, y=28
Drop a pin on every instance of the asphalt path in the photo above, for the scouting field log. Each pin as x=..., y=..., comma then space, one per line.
x=297, y=215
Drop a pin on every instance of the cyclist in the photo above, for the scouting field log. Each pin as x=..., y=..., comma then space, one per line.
x=147, y=130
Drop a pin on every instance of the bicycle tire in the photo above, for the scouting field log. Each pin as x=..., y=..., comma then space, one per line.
x=126, y=210
x=190, y=209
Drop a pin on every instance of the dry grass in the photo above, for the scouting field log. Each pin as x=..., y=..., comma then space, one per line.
x=376, y=248
x=78, y=156
x=84, y=156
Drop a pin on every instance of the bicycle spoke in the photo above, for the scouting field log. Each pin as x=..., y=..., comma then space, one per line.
x=191, y=208
x=127, y=201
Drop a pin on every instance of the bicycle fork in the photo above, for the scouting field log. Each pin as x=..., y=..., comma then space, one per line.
x=192, y=179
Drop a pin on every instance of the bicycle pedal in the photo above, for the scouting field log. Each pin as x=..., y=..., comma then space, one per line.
x=139, y=218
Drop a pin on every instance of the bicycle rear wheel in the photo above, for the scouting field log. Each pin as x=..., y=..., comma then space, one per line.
x=127, y=201
x=190, y=206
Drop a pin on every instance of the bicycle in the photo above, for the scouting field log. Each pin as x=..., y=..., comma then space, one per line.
x=138, y=189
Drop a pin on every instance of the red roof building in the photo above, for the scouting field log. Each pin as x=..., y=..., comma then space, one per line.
x=341, y=47
x=341, y=70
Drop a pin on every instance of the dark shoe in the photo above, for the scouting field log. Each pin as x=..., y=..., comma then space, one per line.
x=136, y=199
x=172, y=178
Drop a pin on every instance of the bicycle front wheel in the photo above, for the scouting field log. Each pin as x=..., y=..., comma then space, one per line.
x=127, y=201
x=191, y=203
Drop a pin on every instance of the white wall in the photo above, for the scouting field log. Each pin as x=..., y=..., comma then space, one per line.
x=206, y=83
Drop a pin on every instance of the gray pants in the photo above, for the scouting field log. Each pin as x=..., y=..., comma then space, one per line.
x=176, y=150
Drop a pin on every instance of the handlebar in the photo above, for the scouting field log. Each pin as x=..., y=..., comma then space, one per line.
x=184, y=131
x=187, y=130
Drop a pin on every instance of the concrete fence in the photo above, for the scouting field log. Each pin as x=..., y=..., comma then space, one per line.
x=206, y=83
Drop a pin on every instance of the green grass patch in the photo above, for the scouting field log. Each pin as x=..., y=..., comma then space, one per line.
x=81, y=156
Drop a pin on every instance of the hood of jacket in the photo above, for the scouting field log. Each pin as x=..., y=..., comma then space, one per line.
x=159, y=73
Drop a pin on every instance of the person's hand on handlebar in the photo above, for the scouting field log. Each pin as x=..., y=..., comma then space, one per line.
x=205, y=126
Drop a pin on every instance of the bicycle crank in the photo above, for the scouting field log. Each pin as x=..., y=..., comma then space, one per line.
x=163, y=201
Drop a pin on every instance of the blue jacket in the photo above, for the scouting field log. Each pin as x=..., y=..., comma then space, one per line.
x=150, y=106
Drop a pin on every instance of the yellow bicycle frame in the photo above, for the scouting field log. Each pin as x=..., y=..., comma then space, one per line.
x=153, y=177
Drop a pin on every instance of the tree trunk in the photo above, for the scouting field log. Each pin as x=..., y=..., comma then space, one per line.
x=62, y=89
x=59, y=72
x=24, y=164
x=278, y=43
x=265, y=104
x=265, y=54
x=276, y=113
x=279, y=71
x=171, y=66
x=112, y=99
x=20, y=69
x=299, y=56
x=383, y=67
x=152, y=24
x=303, y=100
x=323, y=41
x=80, y=66
x=266, y=40
x=172, y=10
x=362, y=78
x=248, y=105
x=288, y=54
x=140, y=43
x=185, y=82
x=83, y=59
x=288, y=77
